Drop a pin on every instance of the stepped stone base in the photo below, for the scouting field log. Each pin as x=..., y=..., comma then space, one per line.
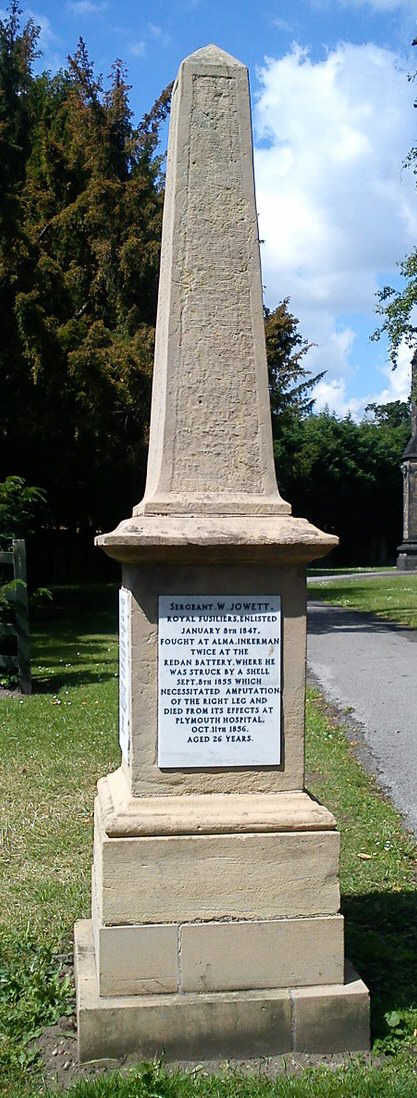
x=407, y=556
x=207, y=1025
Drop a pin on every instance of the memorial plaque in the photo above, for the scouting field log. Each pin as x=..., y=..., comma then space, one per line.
x=219, y=670
x=125, y=671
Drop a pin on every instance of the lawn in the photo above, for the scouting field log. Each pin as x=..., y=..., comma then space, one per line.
x=54, y=746
x=392, y=599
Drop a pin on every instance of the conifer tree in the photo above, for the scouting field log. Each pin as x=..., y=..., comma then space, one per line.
x=81, y=292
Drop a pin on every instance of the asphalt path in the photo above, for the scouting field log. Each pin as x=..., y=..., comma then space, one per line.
x=368, y=669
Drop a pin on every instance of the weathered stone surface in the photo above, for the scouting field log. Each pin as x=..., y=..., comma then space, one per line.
x=228, y=956
x=136, y=960
x=279, y=953
x=125, y=816
x=177, y=1026
x=407, y=551
x=213, y=1025
x=216, y=540
x=210, y=454
x=332, y=1019
x=211, y=443
x=199, y=877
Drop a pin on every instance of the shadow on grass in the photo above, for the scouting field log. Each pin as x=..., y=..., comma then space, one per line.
x=56, y=682
x=62, y=658
x=381, y=942
x=325, y=618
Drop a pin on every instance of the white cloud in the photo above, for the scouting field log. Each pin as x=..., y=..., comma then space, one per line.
x=333, y=393
x=336, y=209
x=399, y=380
x=380, y=5
x=281, y=24
x=88, y=7
x=50, y=45
x=138, y=49
x=157, y=32
x=47, y=37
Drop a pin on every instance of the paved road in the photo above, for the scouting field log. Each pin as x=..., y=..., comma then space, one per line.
x=371, y=667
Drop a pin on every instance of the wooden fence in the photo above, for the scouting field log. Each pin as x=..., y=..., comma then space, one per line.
x=19, y=627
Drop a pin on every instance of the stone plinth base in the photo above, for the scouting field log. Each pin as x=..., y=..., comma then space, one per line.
x=215, y=929
x=172, y=878
x=207, y=1025
x=407, y=556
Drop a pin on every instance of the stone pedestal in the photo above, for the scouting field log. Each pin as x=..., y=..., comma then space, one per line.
x=407, y=551
x=215, y=926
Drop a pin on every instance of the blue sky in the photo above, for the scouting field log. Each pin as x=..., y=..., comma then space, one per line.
x=333, y=121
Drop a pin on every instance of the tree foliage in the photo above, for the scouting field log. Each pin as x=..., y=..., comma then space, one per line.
x=291, y=386
x=79, y=254
x=346, y=478
x=19, y=506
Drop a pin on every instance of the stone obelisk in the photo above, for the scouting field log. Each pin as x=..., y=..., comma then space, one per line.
x=407, y=551
x=215, y=925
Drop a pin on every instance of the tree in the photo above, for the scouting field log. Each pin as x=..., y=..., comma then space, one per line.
x=394, y=414
x=19, y=505
x=290, y=386
x=18, y=50
x=346, y=478
x=78, y=283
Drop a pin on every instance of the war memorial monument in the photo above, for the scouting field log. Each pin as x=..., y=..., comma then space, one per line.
x=407, y=551
x=216, y=927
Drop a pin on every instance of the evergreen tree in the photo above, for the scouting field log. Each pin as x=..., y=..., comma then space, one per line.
x=82, y=294
x=290, y=385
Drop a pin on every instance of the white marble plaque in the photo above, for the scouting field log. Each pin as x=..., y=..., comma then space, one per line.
x=125, y=671
x=219, y=700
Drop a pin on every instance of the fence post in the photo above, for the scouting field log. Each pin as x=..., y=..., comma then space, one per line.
x=22, y=616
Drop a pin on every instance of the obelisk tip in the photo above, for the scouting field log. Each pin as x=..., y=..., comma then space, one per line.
x=213, y=55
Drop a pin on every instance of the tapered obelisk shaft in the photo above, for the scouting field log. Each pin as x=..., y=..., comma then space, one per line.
x=211, y=440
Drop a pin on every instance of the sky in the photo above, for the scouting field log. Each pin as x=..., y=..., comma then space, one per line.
x=333, y=121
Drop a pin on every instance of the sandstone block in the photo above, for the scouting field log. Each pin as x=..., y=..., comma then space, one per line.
x=136, y=960
x=280, y=953
x=124, y=816
x=203, y=877
x=213, y=1025
x=193, y=1027
x=332, y=1018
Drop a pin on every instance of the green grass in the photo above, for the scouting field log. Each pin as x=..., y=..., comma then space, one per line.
x=377, y=877
x=395, y=600
x=392, y=1080
x=311, y=572
x=54, y=746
